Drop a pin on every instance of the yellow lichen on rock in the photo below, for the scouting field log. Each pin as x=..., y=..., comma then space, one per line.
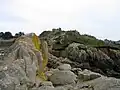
x=41, y=46
x=36, y=41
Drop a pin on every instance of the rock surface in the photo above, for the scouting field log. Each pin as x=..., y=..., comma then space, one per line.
x=84, y=51
x=19, y=66
x=64, y=67
x=71, y=64
x=102, y=83
x=63, y=78
x=87, y=75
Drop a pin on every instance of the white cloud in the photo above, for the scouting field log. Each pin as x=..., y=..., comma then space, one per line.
x=88, y=16
x=52, y=10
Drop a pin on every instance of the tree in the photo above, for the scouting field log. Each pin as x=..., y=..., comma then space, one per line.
x=7, y=35
x=1, y=34
x=19, y=34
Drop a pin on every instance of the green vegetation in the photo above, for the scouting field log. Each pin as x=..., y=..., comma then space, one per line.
x=90, y=40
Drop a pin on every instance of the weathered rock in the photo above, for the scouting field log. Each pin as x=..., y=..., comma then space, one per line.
x=87, y=75
x=44, y=88
x=19, y=66
x=14, y=78
x=22, y=50
x=93, y=59
x=54, y=70
x=76, y=70
x=18, y=70
x=83, y=86
x=60, y=88
x=53, y=61
x=63, y=78
x=6, y=43
x=46, y=83
x=64, y=67
x=60, y=39
x=68, y=87
x=102, y=83
x=84, y=51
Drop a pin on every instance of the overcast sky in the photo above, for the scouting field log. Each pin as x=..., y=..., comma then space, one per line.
x=100, y=18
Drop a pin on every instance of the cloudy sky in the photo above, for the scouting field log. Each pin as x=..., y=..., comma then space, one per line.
x=100, y=18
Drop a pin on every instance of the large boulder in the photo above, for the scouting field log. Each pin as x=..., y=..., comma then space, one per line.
x=63, y=78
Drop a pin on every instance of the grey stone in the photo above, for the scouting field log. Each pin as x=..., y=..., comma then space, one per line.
x=47, y=83
x=46, y=88
x=87, y=75
x=64, y=67
x=60, y=88
x=63, y=78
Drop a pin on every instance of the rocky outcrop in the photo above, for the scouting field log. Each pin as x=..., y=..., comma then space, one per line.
x=19, y=74
x=72, y=64
x=18, y=69
x=94, y=59
x=83, y=51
